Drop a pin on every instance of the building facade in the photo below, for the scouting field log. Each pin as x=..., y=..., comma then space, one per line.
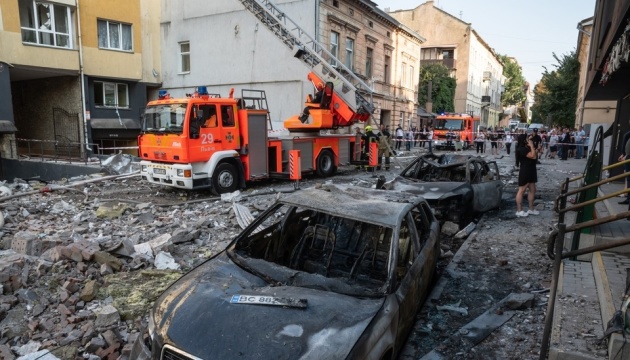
x=221, y=45
x=473, y=63
x=77, y=73
x=606, y=95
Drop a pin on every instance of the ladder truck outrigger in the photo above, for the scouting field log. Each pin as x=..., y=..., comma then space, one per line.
x=205, y=141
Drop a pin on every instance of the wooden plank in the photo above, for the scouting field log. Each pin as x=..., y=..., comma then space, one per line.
x=604, y=295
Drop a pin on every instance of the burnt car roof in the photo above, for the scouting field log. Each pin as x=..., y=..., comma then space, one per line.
x=446, y=160
x=375, y=206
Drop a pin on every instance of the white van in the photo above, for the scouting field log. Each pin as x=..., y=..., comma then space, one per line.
x=533, y=126
x=521, y=127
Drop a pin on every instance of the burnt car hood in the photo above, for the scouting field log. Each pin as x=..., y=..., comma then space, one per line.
x=210, y=326
x=431, y=191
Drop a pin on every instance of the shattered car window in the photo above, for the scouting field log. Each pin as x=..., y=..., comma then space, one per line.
x=297, y=246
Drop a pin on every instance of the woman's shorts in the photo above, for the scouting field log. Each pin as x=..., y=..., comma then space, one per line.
x=553, y=148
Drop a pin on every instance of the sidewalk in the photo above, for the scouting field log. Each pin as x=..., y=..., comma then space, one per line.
x=598, y=280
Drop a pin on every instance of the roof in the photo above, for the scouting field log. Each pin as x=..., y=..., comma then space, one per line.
x=380, y=207
x=422, y=112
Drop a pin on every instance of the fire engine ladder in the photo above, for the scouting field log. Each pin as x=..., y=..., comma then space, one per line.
x=256, y=99
x=314, y=55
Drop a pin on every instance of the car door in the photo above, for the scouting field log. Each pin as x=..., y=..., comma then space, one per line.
x=487, y=186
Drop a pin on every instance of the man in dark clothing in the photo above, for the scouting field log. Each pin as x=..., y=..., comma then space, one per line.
x=626, y=167
x=565, y=139
x=316, y=100
x=537, y=140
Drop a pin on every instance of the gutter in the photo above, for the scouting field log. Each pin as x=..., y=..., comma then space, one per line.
x=82, y=77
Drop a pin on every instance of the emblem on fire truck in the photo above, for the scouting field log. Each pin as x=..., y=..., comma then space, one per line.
x=229, y=137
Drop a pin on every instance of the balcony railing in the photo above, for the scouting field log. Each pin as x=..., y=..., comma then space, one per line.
x=449, y=63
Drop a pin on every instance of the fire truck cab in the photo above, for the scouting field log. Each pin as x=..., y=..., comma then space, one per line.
x=461, y=125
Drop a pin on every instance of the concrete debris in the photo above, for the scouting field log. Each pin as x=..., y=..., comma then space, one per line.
x=453, y=308
x=231, y=197
x=120, y=164
x=40, y=355
x=466, y=231
x=164, y=260
x=5, y=191
x=449, y=228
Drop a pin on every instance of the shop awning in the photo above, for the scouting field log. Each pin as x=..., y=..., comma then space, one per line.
x=422, y=112
x=7, y=127
x=123, y=123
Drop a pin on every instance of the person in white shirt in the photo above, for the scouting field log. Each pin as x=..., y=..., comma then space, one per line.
x=508, y=142
x=480, y=141
x=399, y=137
x=430, y=138
x=579, y=143
x=553, y=147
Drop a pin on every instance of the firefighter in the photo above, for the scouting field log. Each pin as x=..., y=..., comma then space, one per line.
x=384, y=143
x=368, y=138
x=316, y=100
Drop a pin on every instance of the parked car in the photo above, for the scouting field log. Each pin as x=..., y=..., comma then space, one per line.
x=533, y=126
x=456, y=186
x=330, y=273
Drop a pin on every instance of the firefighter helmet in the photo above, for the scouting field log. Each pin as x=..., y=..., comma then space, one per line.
x=368, y=128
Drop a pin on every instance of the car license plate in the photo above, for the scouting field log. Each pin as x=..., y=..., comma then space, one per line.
x=159, y=171
x=268, y=300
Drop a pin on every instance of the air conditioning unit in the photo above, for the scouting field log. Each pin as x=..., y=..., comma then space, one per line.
x=487, y=75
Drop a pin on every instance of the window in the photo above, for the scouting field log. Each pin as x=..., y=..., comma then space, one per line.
x=368, y=63
x=184, y=57
x=403, y=80
x=227, y=115
x=113, y=35
x=208, y=115
x=371, y=24
x=351, y=12
x=111, y=94
x=336, y=3
x=349, y=53
x=411, y=76
x=386, y=70
x=45, y=23
x=334, y=47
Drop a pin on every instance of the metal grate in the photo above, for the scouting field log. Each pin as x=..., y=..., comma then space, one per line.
x=171, y=353
x=67, y=133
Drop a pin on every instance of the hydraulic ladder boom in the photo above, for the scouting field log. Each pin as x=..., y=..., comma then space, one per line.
x=347, y=86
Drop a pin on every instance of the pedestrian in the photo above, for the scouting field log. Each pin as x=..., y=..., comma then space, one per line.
x=430, y=139
x=423, y=136
x=579, y=143
x=384, y=143
x=315, y=100
x=494, y=149
x=537, y=140
x=450, y=135
x=553, y=144
x=409, y=139
x=527, y=174
x=508, y=142
x=564, y=141
x=399, y=137
x=480, y=140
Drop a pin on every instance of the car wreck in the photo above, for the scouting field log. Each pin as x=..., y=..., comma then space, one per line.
x=457, y=187
x=329, y=273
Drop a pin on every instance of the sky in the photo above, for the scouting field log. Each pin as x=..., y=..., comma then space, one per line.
x=530, y=31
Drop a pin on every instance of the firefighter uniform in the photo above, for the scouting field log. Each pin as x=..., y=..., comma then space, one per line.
x=368, y=138
x=384, y=144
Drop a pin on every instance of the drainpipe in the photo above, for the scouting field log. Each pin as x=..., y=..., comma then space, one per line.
x=82, y=77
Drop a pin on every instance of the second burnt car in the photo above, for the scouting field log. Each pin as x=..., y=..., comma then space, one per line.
x=456, y=186
x=329, y=273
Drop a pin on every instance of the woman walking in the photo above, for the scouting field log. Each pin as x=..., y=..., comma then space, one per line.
x=508, y=142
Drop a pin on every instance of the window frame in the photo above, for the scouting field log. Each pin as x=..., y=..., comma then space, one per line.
x=349, y=54
x=369, y=59
x=334, y=48
x=117, y=89
x=54, y=33
x=182, y=56
x=120, y=25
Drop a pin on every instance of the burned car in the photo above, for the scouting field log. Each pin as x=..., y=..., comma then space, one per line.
x=456, y=186
x=331, y=273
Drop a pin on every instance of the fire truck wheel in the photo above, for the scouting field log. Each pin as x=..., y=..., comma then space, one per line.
x=326, y=164
x=225, y=179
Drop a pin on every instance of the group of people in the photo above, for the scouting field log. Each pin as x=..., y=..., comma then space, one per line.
x=383, y=138
x=412, y=137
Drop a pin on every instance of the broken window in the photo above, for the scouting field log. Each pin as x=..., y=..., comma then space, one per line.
x=45, y=23
x=341, y=249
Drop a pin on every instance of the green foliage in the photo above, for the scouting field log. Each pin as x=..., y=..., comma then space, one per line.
x=514, y=93
x=443, y=87
x=556, y=94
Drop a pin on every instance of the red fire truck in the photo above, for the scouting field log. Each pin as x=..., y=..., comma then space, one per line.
x=461, y=126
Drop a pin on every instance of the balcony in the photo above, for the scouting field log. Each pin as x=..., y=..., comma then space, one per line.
x=449, y=63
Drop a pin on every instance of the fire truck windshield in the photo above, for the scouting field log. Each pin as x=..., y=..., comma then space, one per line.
x=452, y=124
x=164, y=118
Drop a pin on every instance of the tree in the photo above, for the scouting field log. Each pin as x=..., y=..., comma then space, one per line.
x=556, y=94
x=514, y=93
x=443, y=87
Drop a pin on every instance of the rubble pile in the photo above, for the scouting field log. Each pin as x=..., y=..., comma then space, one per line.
x=80, y=265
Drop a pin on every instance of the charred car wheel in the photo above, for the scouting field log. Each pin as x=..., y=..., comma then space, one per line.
x=224, y=179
